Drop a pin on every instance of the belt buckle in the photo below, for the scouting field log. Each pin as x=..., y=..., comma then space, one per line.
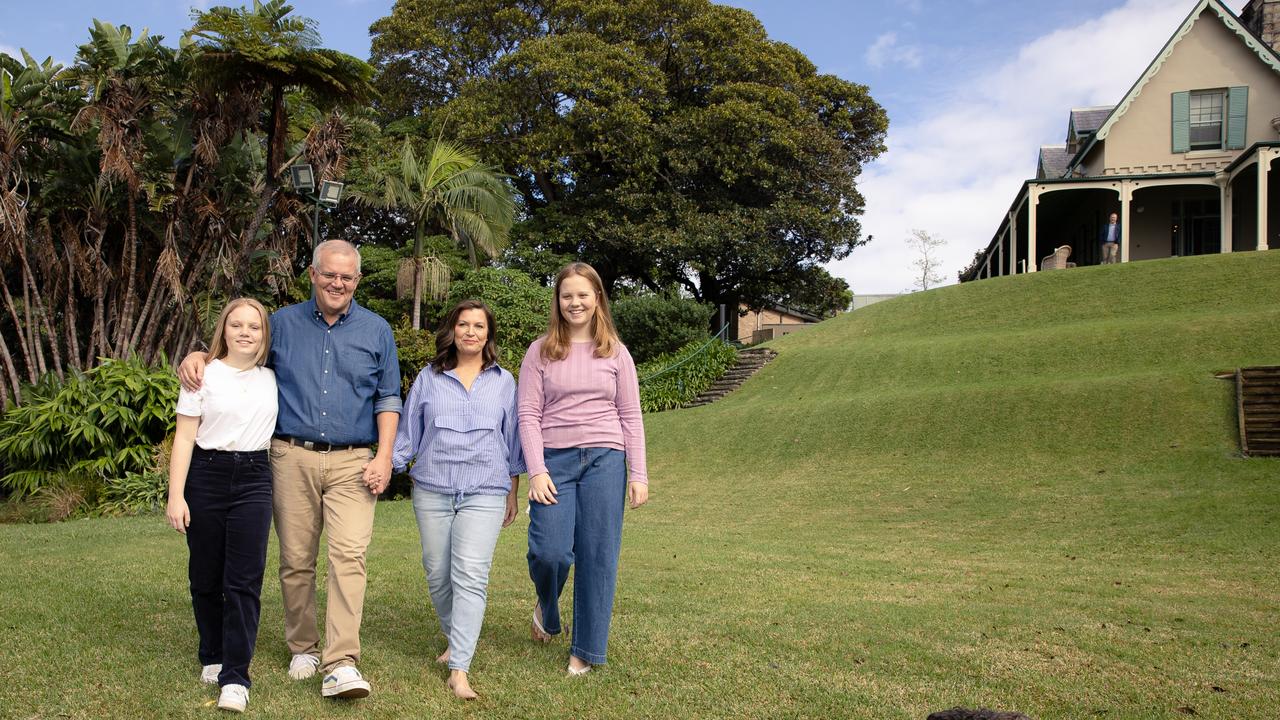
x=307, y=444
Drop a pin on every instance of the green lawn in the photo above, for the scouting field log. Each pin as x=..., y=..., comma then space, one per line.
x=1023, y=493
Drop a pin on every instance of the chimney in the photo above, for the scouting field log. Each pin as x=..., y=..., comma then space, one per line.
x=1262, y=17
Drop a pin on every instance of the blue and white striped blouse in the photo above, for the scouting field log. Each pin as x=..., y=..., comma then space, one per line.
x=464, y=442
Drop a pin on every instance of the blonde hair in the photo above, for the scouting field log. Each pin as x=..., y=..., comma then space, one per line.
x=555, y=345
x=218, y=349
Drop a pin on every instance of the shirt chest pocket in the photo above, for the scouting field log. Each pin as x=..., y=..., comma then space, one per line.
x=358, y=366
x=463, y=439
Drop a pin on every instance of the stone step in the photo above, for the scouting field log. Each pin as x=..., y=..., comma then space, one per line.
x=748, y=363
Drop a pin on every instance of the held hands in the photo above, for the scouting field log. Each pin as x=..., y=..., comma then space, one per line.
x=509, y=516
x=637, y=493
x=178, y=515
x=542, y=490
x=377, y=474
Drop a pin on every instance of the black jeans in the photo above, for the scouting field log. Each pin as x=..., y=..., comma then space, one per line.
x=229, y=496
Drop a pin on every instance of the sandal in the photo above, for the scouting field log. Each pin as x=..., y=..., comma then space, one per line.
x=536, y=631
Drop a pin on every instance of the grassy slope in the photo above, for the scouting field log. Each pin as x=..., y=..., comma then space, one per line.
x=1023, y=493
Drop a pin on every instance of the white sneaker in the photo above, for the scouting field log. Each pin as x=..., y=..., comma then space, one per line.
x=209, y=674
x=345, y=682
x=234, y=698
x=303, y=666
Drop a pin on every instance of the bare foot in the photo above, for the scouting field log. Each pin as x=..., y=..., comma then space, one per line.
x=444, y=657
x=535, y=630
x=459, y=685
x=578, y=666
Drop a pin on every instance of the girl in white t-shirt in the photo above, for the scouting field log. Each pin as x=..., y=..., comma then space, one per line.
x=220, y=494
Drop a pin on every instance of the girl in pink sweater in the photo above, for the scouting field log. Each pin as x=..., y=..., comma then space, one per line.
x=582, y=435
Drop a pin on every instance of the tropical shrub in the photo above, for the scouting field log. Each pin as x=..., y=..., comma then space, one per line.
x=415, y=348
x=674, y=379
x=102, y=424
x=651, y=325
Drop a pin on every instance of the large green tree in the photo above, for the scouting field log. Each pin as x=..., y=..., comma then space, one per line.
x=661, y=140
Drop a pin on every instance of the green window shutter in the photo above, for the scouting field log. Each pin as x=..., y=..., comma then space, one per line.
x=1237, y=114
x=1181, y=122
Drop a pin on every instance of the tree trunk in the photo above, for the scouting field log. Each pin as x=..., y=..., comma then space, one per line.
x=417, y=278
x=43, y=314
x=11, y=370
x=124, y=323
x=71, y=323
x=20, y=332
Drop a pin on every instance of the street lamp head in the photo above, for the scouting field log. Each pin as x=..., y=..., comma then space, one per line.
x=330, y=193
x=302, y=177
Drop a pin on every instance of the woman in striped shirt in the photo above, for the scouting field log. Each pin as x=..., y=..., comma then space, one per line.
x=459, y=421
x=582, y=435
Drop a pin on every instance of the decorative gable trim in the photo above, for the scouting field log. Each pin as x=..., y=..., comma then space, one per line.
x=1264, y=53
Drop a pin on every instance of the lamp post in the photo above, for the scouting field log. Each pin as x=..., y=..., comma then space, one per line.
x=303, y=179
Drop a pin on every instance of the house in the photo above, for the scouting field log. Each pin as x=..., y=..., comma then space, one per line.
x=757, y=326
x=1187, y=158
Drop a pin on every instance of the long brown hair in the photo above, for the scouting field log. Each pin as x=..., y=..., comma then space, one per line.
x=218, y=349
x=447, y=350
x=555, y=346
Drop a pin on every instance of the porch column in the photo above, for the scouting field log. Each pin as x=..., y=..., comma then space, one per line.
x=1000, y=256
x=1013, y=242
x=1224, y=209
x=1264, y=171
x=1126, y=195
x=1033, y=199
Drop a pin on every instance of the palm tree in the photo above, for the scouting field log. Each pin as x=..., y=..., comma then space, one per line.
x=267, y=49
x=125, y=82
x=452, y=191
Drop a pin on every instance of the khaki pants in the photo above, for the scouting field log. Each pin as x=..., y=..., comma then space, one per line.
x=1110, y=253
x=315, y=491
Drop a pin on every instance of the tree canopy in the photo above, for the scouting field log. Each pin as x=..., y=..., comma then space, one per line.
x=663, y=141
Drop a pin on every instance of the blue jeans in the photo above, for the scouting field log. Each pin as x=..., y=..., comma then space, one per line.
x=229, y=496
x=458, y=533
x=584, y=527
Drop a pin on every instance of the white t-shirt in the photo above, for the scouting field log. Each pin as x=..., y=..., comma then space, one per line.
x=237, y=408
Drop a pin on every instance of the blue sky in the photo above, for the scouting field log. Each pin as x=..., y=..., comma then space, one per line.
x=972, y=87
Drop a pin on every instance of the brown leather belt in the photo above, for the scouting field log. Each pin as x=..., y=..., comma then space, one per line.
x=322, y=447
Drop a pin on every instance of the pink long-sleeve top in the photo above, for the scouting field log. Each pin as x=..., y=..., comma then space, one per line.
x=580, y=401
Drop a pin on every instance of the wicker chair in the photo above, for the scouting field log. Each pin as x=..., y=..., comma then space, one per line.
x=1058, y=260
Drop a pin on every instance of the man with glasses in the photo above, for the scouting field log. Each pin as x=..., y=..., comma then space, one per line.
x=338, y=377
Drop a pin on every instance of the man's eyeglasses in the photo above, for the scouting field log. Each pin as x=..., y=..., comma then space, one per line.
x=331, y=276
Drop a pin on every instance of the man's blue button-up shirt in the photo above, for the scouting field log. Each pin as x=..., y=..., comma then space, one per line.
x=333, y=379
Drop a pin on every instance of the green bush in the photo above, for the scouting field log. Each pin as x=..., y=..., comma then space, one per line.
x=675, y=379
x=651, y=325
x=415, y=348
x=102, y=424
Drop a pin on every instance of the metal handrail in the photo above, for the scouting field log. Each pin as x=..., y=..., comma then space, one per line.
x=701, y=350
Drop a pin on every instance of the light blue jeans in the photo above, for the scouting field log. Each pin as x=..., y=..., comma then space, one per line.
x=458, y=533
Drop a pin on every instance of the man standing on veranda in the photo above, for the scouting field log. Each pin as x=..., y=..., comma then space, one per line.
x=339, y=383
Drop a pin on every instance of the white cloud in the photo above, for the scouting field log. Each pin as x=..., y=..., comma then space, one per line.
x=955, y=170
x=886, y=50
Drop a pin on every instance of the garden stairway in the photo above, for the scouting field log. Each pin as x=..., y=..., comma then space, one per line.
x=1258, y=408
x=749, y=361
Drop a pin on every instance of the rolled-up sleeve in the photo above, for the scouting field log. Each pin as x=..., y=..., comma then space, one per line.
x=388, y=399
